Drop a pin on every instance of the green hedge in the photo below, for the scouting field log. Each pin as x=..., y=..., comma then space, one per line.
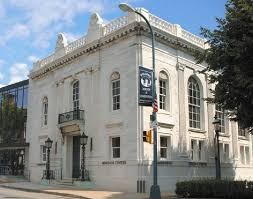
x=211, y=188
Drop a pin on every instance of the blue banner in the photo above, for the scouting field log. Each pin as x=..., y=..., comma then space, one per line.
x=145, y=86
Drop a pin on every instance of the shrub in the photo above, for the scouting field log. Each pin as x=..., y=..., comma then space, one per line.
x=211, y=188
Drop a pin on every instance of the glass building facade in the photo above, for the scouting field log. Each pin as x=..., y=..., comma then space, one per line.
x=13, y=117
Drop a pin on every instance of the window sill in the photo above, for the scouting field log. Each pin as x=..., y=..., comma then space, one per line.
x=243, y=138
x=163, y=112
x=197, y=130
x=44, y=127
x=224, y=135
x=116, y=111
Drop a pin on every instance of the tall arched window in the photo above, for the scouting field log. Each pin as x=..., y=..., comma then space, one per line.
x=194, y=103
x=163, y=91
x=76, y=95
x=115, y=86
x=219, y=112
x=45, y=111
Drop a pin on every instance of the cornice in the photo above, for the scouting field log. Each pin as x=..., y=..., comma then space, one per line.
x=134, y=28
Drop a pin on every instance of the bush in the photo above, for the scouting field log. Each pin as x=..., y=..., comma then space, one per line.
x=211, y=188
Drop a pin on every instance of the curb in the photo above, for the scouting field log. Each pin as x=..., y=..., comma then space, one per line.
x=46, y=192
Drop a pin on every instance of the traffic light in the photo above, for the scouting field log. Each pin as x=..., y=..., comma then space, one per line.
x=147, y=136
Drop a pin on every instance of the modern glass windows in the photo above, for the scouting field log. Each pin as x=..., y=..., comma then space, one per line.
x=115, y=85
x=76, y=96
x=43, y=153
x=115, y=147
x=13, y=112
x=194, y=103
x=163, y=91
x=244, y=155
x=45, y=111
x=219, y=112
x=197, y=150
x=165, y=147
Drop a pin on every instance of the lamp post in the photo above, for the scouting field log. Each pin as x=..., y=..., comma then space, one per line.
x=48, y=144
x=22, y=161
x=155, y=189
x=216, y=124
x=83, y=142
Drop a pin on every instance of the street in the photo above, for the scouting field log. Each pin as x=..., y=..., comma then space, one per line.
x=10, y=193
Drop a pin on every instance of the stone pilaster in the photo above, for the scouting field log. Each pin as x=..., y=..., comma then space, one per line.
x=234, y=132
x=210, y=127
x=182, y=143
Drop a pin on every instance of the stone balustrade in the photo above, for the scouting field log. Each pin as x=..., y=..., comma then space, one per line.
x=119, y=23
x=115, y=25
x=198, y=41
x=162, y=24
x=76, y=44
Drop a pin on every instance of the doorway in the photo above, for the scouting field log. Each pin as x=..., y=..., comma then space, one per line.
x=76, y=157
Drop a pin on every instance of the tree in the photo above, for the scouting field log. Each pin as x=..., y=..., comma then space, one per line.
x=230, y=60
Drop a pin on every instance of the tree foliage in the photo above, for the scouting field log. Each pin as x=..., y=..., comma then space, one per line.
x=230, y=60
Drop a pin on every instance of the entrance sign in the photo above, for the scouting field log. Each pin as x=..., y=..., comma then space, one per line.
x=145, y=86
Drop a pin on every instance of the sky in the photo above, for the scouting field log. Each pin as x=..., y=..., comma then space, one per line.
x=29, y=28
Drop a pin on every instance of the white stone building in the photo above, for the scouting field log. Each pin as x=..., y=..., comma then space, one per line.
x=97, y=75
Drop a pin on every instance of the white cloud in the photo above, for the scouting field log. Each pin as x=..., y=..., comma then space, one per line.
x=19, y=31
x=2, y=10
x=45, y=18
x=2, y=62
x=2, y=85
x=33, y=58
x=18, y=72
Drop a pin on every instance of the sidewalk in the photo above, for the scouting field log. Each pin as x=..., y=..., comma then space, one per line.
x=76, y=192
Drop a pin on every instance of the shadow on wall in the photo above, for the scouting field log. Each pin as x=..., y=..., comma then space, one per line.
x=192, y=164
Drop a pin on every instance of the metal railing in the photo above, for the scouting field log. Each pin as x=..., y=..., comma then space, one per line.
x=51, y=174
x=58, y=174
x=5, y=170
x=71, y=116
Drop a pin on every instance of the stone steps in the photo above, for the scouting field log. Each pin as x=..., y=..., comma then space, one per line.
x=65, y=182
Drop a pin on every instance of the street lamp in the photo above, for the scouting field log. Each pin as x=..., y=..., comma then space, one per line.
x=83, y=142
x=48, y=144
x=155, y=189
x=217, y=129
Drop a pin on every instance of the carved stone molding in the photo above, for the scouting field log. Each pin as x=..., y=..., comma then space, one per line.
x=165, y=125
x=180, y=66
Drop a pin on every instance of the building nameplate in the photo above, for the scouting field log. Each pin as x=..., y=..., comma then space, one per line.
x=113, y=162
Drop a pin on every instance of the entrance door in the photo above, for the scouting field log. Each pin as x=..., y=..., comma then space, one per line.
x=76, y=157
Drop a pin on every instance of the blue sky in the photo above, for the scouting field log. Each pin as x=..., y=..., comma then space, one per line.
x=29, y=27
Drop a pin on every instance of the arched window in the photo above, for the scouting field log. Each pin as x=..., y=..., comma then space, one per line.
x=45, y=111
x=115, y=86
x=163, y=91
x=194, y=103
x=219, y=112
x=76, y=95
